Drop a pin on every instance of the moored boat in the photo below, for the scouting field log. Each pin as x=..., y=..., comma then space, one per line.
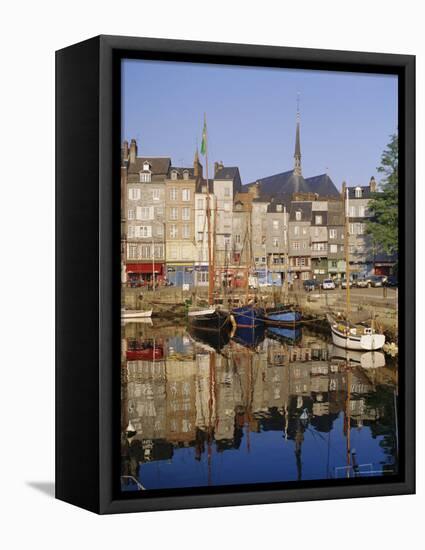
x=209, y=319
x=249, y=337
x=249, y=316
x=136, y=314
x=354, y=337
x=285, y=333
x=282, y=317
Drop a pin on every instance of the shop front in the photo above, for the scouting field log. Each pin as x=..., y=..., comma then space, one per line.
x=144, y=274
x=180, y=275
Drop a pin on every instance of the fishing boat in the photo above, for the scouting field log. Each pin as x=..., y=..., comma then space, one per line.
x=346, y=334
x=148, y=353
x=282, y=317
x=136, y=314
x=249, y=316
x=210, y=318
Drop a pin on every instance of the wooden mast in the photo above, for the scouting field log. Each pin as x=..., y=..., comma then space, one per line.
x=285, y=244
x=347, y=254
x=210, y=250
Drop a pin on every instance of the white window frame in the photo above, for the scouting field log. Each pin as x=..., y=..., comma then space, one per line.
x=186, y=195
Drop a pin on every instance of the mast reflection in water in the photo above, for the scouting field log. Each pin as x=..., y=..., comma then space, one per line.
x=251, y=409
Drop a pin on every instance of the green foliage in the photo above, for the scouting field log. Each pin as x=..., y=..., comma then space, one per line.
x=383, y=226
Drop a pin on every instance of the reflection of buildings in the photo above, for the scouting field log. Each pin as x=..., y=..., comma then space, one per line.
x=193, y=395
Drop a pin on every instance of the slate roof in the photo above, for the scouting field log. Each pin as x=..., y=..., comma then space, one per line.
x=305, y=208
x=323, y=186
x=181, y=169
x=272, y=207
x=287, y=183
x=227, y=173
x=159, y=165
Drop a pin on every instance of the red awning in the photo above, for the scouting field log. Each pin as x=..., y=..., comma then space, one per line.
x=144, y=268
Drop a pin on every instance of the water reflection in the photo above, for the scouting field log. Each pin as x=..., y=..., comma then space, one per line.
x=260, y=407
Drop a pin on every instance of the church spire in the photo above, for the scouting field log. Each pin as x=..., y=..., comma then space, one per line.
x=297, y=154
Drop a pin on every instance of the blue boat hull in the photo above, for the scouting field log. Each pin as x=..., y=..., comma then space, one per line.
x=284, y=317
x=292, y=334
x=248, y=316
x=249, y=337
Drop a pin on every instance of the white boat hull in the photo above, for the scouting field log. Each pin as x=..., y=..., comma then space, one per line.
x=201, y=312
x=363, y=342
x=136, y=314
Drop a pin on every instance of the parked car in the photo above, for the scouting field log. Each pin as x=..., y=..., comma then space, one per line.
x=311, y=284
x=344, y=283
x=377, y=281
x=328, y=284
x=363, y=282
x=391, y=281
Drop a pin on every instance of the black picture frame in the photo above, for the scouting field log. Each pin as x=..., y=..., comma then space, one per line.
x=88, y=269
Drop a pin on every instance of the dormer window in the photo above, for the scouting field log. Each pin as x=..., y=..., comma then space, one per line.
x=278, y=208
x=146, y=166
x=358, y=193
x=186, y=174
x=173, y=174
x=298, y=215
x=145, y=177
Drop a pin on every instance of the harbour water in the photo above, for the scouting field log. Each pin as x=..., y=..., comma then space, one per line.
x=264, y=406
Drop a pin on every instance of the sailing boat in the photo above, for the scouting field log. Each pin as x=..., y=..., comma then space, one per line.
x=210, y=318
x=344, y=333
x=284, y=316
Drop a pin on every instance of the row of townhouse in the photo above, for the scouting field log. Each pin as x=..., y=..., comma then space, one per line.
x=294, y=234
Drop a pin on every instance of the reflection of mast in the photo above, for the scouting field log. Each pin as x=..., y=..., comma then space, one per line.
x=347, y=419
x=210, y=408
x=299, y=438
x=347, y=252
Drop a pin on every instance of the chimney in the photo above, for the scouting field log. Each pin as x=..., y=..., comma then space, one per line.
x=218, y=166
x=125, y=151
x=372, y=185
x=344, y=187
x=197, y=166
x=133, y=151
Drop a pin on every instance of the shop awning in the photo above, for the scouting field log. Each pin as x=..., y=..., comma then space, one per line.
x=144, y=268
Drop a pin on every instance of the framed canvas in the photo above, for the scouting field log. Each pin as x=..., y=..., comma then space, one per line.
x=235, y=274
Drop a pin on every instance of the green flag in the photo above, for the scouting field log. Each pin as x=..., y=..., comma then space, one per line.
x=204, y=138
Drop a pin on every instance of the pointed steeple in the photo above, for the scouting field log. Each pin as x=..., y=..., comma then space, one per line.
x=297, y=154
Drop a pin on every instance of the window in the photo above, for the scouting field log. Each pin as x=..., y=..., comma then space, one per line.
x=278, y=208
x=173, y=231
x=227, y=207
x=174, y=213
x=298, y=215
x=352, y=211
x=296, y=230
x=276, y=224
x=186, y=174
x=145, y=177
x=146, y=252
x=173, y=193
x=358, y=193
x=304, y=230
x=237, y=239
x=173, y=174
x=131, y=214
x=132, y=251
x=276, y=242
x=362, y=211
x=146, y=166
x=304, y=244
x=200, y=204
x=203, y=276
x=351, y=228
x=130, y=231
x=333, y=248
x=360, y=228
x=296, y=245
x=155, y=194
x=186, y=231
x=145, y=231
x=185, y=213
x=144, y=213
x=186, y=195
x=159, y=251
x=133, y=194
x=332, y=233
x=318, y=220
x=334, y=263
x=319, y=247
x=316, y=231
x=227, y=191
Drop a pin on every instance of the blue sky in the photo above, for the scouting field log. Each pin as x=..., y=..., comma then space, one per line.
x=346, y=118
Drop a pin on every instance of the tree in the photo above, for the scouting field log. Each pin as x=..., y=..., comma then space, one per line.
x=383, y=224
